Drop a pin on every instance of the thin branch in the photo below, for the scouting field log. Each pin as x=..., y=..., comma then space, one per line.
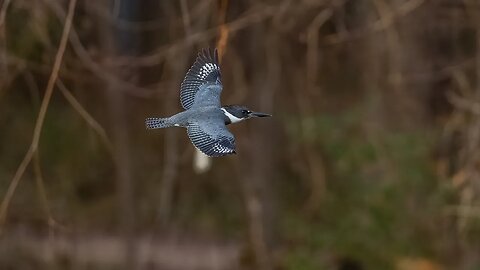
x=223, y=30
x=85, y=115
x=3, y=12
x=97, y=69
x=380, y=25
x=185, y=17
x=250, y=18
x=3, y=42
x=41, y=115
x=110, y=16
x=42, y=193
x=312, y=46
x=52, y=223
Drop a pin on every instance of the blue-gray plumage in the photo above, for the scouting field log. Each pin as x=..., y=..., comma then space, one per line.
x=204, y=117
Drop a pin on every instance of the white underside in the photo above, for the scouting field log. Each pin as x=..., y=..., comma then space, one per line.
x=232, y=117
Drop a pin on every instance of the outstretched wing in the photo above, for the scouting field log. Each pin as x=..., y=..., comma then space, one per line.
x=205, y=71
x=212, y=138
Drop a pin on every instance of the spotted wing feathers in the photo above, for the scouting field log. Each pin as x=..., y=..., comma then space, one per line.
x=205, y=70
x=212, y=145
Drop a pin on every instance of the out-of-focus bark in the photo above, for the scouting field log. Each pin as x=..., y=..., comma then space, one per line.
x=467, y=177
x=3, y=50
x=376, y=79
x=257, y=172
x=118, y=43
x=171, y=155
x=175, y=63
x=307, y=105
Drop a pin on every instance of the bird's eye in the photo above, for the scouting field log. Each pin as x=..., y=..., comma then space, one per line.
x=245, y=112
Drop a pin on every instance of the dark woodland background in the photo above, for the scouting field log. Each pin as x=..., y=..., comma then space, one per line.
x=371, y=160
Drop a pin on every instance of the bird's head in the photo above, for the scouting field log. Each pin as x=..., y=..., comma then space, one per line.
x=237, y=113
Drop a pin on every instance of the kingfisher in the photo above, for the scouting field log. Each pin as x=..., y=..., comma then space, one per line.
x=204, y=117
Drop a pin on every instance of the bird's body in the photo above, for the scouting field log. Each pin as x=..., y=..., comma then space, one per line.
x=182, y=119
x=204, y=117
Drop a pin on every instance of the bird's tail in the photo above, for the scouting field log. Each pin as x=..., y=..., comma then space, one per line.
x=153, y=122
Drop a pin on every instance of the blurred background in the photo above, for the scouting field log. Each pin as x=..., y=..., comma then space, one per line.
x=371, y=160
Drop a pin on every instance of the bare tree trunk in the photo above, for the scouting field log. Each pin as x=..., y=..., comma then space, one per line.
x=176, y=63
x=256, y=176
x=119, y=44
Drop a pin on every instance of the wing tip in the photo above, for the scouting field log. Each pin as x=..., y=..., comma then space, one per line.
x=209, y=55
x=202, y=71
x=216, y=154
x=218, y=149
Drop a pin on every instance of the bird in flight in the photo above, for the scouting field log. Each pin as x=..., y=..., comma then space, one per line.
x=204, y=117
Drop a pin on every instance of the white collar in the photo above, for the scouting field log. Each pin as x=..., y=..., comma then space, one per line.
x=233, y=118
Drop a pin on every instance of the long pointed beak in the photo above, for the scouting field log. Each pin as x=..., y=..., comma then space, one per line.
x=259, y=114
